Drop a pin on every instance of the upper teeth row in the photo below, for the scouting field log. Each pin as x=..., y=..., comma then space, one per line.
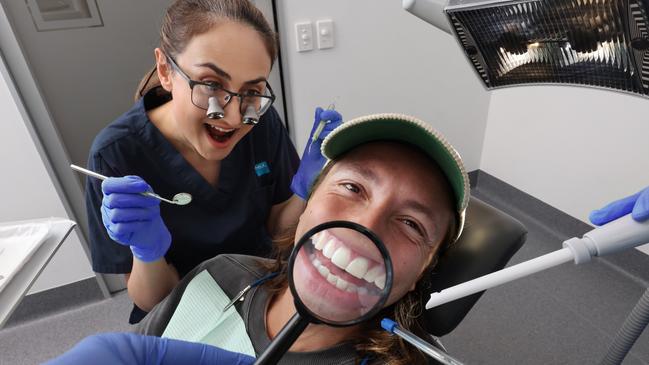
x=339, y=282
x=221, y=129
x=341, y=256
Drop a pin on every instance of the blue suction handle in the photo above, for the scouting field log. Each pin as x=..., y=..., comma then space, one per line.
x=388, y=324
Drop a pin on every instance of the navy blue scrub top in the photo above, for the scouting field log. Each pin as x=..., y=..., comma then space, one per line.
x=230, y=218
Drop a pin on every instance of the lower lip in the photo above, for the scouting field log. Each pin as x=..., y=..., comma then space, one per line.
x=324, y=299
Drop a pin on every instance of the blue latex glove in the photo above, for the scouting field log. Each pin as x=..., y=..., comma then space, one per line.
x=131, y=349
x=133, y=219
x=312, y=159
x=636, y=204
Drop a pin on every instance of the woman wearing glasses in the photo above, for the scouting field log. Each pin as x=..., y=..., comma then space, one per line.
x=202, y=124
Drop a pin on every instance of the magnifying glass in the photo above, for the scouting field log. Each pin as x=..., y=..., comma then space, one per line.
x=340, y=274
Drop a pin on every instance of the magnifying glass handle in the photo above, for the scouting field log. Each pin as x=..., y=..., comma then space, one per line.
x=283, y=341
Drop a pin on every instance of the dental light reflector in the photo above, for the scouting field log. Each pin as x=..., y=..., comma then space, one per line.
x=597, y=43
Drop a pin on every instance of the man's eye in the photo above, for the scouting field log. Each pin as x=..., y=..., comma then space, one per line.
x=352, y=187
x=412, y=224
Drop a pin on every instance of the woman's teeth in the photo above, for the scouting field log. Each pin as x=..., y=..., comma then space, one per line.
x=222, y=130
x=343, y=257
x=219, y=134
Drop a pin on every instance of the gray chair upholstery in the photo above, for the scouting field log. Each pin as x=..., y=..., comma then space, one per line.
x=490, y=238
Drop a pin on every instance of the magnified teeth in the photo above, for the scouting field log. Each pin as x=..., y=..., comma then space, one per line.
x=319, y=240
x=323, y=271
x=358, y=267
x=380, y=281
x=371, y=275
x=329, y=248
x=341, y=257
x=332, y=279
x=341, y=284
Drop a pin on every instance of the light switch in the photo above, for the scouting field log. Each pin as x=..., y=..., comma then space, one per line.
x=304, y=36
x=325, y=33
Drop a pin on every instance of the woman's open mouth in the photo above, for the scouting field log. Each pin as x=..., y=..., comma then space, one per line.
x=218, y=134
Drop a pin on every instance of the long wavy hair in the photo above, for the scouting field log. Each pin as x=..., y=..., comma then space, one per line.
x=185, y=19
x=376, y=343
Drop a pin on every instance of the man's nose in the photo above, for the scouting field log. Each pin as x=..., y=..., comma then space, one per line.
x=373, y=219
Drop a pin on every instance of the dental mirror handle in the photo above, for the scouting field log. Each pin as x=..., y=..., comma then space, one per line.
x=102, y=177
x=283, y=341
x=430, y=350
x=618, y=235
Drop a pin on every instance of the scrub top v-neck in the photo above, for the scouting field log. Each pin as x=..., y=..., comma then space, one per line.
x=228, y=218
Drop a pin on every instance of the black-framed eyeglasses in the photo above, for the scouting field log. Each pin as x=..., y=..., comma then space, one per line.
x=249, y=103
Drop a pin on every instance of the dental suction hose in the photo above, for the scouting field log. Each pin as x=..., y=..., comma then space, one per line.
x=632, y=328
x=618, y=235
x=430, y=350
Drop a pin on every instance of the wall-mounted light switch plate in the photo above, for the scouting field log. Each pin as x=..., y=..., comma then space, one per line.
x=304, y=36
x=325, y=33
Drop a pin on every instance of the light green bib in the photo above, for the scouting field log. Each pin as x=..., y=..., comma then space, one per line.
x=199, y=318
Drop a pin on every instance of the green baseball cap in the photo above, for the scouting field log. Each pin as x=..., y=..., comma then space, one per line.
x=409, y=130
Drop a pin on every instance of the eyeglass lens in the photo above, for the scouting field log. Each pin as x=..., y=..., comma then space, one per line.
x=201, y=94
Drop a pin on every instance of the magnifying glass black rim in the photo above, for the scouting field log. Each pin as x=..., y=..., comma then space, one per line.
x=385, y=293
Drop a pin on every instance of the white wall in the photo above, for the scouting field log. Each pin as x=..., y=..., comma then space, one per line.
x=384, y=60
x=574, y=148
x=28, y=193
x=88, y=76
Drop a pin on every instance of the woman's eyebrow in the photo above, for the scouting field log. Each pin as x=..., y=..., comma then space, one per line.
x=219, y=71
x=216, y=69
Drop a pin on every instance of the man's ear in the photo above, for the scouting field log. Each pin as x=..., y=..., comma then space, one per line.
x=164, y=69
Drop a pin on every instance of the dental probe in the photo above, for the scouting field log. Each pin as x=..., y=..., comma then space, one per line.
x=240, y=295
x=430, y=350
x=178, y=199
x=612, y=237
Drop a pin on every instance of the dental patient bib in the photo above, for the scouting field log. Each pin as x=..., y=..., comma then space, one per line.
x=199, y=318
x=193, y=312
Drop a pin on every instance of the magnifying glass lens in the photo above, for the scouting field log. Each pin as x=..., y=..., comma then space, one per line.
x=339, y=275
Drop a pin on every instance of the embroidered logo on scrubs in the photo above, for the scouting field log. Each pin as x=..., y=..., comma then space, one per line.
x=262, y=168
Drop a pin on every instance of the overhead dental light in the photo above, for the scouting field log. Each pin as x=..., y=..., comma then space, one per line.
x=596, y=43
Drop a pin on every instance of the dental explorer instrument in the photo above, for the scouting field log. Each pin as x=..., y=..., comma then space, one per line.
x=618, y=235
x=430, y=350
x=241, y=294
x=178, y=199
x=321, y=126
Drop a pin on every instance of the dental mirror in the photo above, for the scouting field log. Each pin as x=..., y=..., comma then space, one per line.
x=340, y=274
x=178, y=199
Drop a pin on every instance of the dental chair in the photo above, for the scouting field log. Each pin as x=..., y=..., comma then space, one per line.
x=490, y=238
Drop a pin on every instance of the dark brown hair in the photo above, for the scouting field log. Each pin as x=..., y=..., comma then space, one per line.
x=185, y=19
x=376, y=343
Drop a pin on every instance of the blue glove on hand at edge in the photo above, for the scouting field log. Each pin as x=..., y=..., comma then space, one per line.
x=132, y=219
x=131, y=349
x=312, y=159
x=636, y=204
